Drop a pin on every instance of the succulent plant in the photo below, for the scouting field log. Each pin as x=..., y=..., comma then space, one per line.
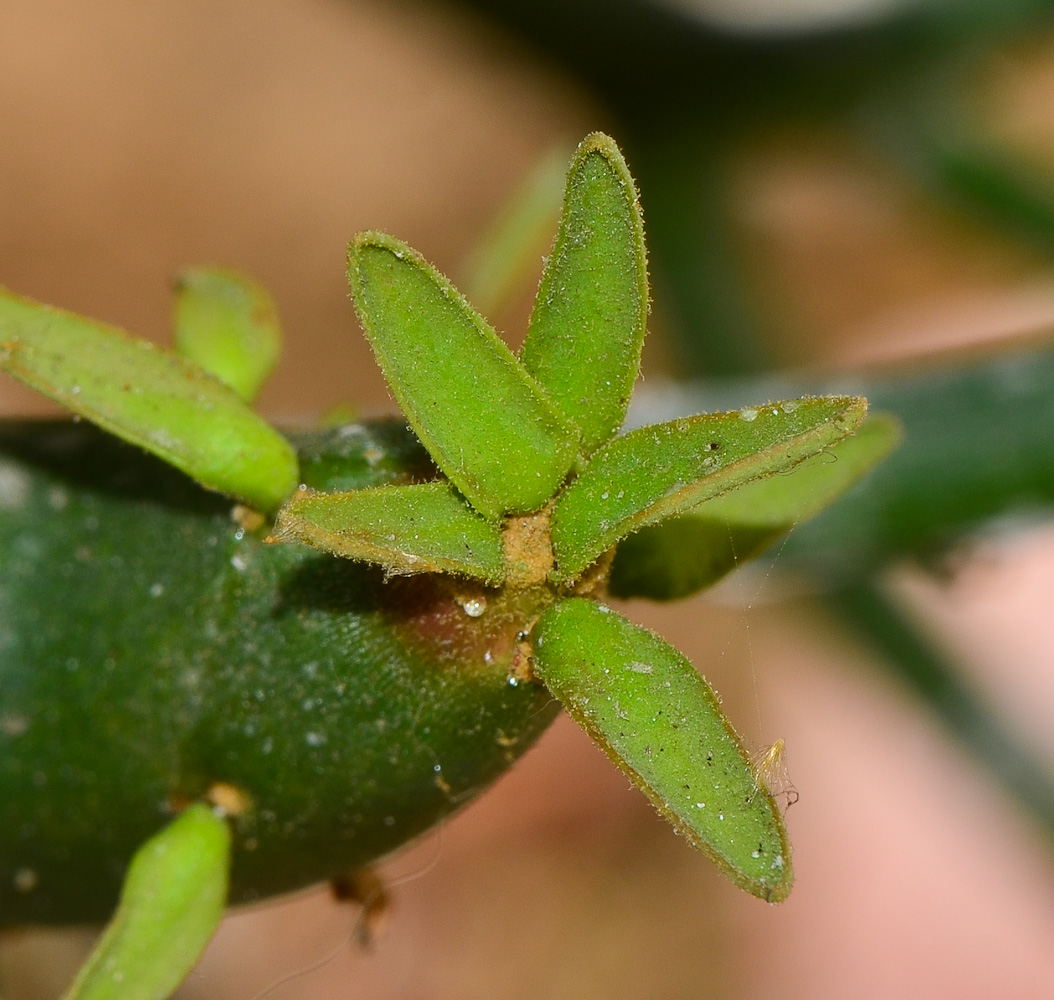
x=286, y=656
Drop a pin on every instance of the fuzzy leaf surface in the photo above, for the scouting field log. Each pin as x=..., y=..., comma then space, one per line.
x=173, y=899
x=660, y=471
x=652, y=713
x=150, y=397
x=588, y=324
x=485, y=421
x=228, y=325
x=687, y=553
x=419, y=528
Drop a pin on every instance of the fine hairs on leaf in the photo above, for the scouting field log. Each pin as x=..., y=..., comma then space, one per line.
x=489, y=426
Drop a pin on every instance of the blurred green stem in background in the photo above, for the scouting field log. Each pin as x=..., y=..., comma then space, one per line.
x=915, y=660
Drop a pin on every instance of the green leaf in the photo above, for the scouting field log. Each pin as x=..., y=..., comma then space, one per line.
x=589, y=318
x=228, y=325
x=649, y=710
x=420, y=528
x=505, y=260
x=148, y=396
x=783, y=501
x=488, y=425
x=685, y=554
x=657, y=472
x=172, y=901
x=668, y=561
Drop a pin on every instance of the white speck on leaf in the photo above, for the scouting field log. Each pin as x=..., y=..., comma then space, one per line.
x=13, y=724
x=14, y=487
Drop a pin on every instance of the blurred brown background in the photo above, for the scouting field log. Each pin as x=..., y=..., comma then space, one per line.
x=136, y=138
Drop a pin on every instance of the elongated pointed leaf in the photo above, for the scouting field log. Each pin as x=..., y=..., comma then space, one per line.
x=589, y=318
x=685, y=554
x=660, y=471
x=782, y=501
x=505, y=260
x=484, y=420
x=149, y=396
x=172, y=901
x=649, y=710
x=228, y=325
x=422, y=528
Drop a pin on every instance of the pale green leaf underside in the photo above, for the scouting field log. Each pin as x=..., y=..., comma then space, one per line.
x=784, y=500
x=646, y=706
x=228, y=325
x=173, y=898
x=657, y=472
x=589, y=318
x=485, y=421
x=685, y=554
x=423, y=528
x=150, y=397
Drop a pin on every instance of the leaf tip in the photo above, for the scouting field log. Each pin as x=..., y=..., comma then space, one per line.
x=599, y=142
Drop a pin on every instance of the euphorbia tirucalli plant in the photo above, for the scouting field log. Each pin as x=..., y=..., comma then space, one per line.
x=233, y=663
